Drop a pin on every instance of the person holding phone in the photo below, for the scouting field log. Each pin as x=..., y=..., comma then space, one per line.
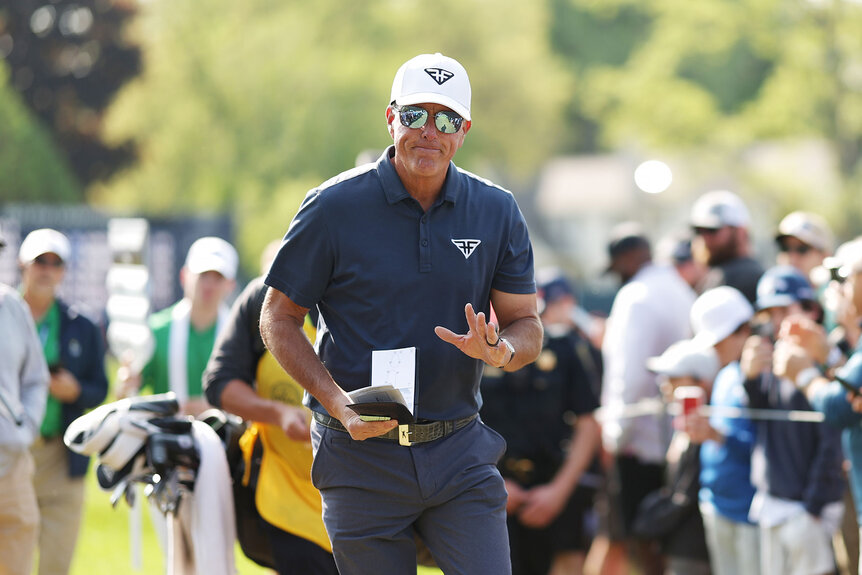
x=796, y=466
x=835, y=393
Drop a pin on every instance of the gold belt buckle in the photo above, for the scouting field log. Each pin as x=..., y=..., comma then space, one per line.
x=404, y=435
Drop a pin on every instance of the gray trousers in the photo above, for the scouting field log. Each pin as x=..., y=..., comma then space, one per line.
x=376, y=493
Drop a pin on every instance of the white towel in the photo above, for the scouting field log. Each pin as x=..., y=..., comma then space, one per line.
x=213, y=525
x=178, y=344
x=199, y=539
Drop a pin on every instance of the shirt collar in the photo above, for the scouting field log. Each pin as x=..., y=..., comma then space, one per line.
x=395, y=190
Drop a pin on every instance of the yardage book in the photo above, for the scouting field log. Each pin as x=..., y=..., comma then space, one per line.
x=380, y=401
x=393, y=383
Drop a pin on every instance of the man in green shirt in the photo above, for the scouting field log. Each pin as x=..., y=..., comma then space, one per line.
x=75, y=353
x=185, y=333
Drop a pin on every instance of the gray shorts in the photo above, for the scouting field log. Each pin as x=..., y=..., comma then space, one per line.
x=376, y=493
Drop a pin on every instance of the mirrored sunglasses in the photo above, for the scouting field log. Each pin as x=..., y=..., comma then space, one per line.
x=416, y=117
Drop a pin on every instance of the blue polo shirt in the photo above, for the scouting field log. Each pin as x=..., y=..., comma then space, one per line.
x=384, y=273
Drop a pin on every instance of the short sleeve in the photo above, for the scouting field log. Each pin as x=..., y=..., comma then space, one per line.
x=515, y=273
x=303, y=266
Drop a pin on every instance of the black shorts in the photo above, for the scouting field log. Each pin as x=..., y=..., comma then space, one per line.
x=628, y=482
x=533, y=549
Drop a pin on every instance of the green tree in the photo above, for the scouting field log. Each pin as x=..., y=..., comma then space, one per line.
x=31, y=168
x=717, y=76
x=243, y=106
x=67, y=59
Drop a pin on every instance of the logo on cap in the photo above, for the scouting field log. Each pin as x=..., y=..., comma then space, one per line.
x=439, y=75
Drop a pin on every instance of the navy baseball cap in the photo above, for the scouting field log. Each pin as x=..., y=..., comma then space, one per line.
x=782, y=286
x=553, y=288
x=625, y=237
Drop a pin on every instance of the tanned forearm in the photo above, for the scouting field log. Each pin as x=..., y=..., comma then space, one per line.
x=281, y=324
x=525, y=335
x=240, y=399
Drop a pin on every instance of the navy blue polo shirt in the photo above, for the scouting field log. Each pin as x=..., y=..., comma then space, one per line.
x=384, y=273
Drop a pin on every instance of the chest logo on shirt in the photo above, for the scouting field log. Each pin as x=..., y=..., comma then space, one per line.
x=467, y=247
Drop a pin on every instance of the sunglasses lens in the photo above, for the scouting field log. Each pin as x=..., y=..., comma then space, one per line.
x=413, y=117
x=447, y=122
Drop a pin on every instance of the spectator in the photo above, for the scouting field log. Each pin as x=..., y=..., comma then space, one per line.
x=796, y=466
x=243, y=378
x=24, y=381
x=396, y=255
x=185, y=333
x=796, y=359
x=720, y=223
x=676, y=251
x=649, y=313
x=544, y=411
x=720, y=319
x=804, y=241
x=75, y=353
x=671, y=513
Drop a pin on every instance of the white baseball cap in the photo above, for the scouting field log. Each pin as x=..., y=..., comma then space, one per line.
x=433, y=78
x=685, y=358
x=717, y=313
x=44, y=241
x=212, y=254
x=717, y=209
x=848, y=258
x=808, y=228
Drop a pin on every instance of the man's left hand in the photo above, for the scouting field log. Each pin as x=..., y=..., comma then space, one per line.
x=482, y=341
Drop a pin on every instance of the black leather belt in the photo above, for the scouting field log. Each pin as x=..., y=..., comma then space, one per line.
x=406, y=434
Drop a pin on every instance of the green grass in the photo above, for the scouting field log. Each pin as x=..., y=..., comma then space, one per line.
x=104, y=546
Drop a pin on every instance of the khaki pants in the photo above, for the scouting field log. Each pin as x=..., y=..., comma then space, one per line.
x=19, y=517
x=61, y=501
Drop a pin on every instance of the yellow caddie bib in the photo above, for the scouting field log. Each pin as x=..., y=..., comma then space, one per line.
x=285, y=496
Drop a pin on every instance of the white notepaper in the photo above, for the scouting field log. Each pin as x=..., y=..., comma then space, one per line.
x=395, y=367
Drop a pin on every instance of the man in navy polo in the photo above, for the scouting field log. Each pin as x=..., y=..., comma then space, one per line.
x=408, y=252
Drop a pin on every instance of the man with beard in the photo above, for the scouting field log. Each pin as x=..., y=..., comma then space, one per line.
x=719, y=220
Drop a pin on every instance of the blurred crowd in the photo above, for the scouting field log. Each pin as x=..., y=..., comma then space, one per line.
x=697, y=428
x=707, y=424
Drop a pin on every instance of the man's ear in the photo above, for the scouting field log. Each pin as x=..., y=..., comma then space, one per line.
x=467, y=124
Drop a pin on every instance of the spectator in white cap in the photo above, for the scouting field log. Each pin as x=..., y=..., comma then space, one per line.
x=185, y=333
x=406, y=256
x=804, y=240
x=75, y=353
x=720, y=222
x=23, y=390
x=686, y=371
x=720, y=319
